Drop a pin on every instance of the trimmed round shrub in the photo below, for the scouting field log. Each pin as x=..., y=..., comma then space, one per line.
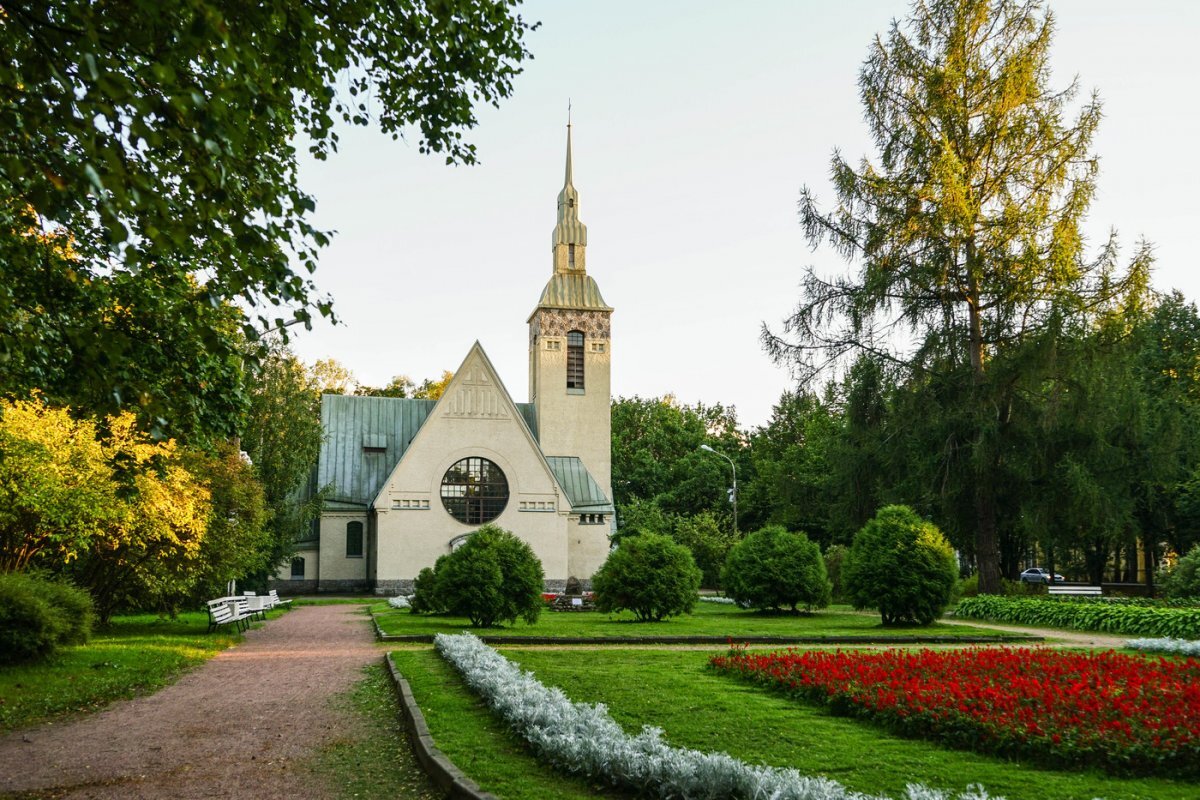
x=38, y=615
x=650, y=575
x=1184, y=580
x=774, y=568
x=493, y=578
x=901, y=565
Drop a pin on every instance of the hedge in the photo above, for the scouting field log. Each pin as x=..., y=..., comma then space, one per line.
x=1091, y=615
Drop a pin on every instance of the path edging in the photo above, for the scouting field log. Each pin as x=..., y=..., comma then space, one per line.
x=424, y=638
x=449, y=778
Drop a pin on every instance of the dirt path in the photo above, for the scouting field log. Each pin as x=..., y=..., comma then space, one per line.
x=241, y=725
x=1055, y=637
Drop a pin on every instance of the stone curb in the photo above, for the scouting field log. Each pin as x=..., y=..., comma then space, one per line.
x=449, y=778
x=421, y=638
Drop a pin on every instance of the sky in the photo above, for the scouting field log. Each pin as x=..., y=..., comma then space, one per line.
x=695, y=125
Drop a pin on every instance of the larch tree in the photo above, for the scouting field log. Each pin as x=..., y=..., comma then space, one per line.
x=965, y=231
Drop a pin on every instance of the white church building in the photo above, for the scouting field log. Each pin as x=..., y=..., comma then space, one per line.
x=405, y=481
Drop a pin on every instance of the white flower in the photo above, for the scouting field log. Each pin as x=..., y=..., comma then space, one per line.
x=1179, y=647
x=399, y=601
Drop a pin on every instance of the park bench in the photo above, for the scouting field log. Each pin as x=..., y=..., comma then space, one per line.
x=258, y=604
x=1064, y=589
x=228, y=611
x=276, y=600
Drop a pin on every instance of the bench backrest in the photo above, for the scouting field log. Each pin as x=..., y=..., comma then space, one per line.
x=1089, y=590
x=221, y=614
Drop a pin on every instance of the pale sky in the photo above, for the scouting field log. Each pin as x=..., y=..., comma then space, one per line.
x=695, y=125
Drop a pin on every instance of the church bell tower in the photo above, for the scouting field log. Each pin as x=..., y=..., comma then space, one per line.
x=570, y=349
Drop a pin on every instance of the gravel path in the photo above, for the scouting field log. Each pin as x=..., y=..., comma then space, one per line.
x=1056, y=637
x=241, y=725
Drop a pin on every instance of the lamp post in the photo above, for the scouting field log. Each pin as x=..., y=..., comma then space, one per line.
x=733, y=491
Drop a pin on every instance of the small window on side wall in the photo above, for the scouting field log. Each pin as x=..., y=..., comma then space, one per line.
x=575, y=360
x=298, y=568
x=354, y=540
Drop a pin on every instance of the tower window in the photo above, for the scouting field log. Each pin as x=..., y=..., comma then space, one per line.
x=575, y=360
x=474, y=491
x=354, y=540
x=571, y=256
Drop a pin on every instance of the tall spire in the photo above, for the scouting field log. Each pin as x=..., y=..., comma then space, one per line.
x=569, y=230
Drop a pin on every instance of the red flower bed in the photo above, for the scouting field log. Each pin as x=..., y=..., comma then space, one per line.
x=1123, y=713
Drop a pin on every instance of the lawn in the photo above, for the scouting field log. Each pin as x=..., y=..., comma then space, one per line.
x=709, y=619
x=135, y=655
x=697, y=708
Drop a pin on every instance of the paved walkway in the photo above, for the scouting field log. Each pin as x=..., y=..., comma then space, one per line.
x=242, y=725
x=1060, y=638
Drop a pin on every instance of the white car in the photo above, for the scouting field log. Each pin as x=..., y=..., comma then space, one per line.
x=1039, y=575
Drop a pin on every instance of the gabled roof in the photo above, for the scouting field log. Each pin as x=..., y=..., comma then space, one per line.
x=584, y=494
x=365, y=438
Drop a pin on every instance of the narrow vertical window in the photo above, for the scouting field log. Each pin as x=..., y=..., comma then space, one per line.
x=298, y=568
x=575, y=360
x=571, y=256
x=354, y=540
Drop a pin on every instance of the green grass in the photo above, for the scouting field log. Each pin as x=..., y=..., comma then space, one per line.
x=699, y=709
x=478, y=743
x=374, y=760
x=135, y=655
x=709, y=619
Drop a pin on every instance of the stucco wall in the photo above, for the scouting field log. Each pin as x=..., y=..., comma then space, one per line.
x=587, y=549
x=335, y=566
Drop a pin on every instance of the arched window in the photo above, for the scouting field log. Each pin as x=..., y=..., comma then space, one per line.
x=575, y=360
x=354, y=540
x=298, y=568
x=474, y=491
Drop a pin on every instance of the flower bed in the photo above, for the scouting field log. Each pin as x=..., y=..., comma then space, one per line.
x=584, y=739
x=1176, y=647
x=1121, y=713
x=1092, y=615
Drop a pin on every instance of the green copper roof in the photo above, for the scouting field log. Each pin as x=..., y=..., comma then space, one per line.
x=569, y=229
x=572, y=291
x=584, y=494
x=365, y=438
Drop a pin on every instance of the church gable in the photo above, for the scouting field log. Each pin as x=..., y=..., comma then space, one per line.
x=475, y=417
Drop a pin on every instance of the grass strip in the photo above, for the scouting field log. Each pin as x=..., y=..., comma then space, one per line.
x=374, y=759
x=137, y=654
x=721, y=622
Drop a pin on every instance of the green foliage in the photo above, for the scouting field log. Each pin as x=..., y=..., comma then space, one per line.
x=835, y=559
x=650, y=575
x=773, y=568
x=709, y=541
x=493, y=578
x=966, y=233
x=39, y=615
x=1085, y=614
x=161, y=136
x=901, y=565
x=1184, y=580
x=425, y=599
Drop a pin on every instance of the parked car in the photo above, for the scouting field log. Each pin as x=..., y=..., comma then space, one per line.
x=1039, y=575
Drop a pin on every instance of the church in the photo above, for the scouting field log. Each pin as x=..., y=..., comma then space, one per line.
x=405, y=481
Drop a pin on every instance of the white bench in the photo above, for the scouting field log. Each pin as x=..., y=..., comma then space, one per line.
x=1088, y=591
x=228, y=611
x=276, y=600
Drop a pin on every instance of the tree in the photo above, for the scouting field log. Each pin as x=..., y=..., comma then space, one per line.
x=431, y=389
x=709, y=542
x=333, y=377
x=282, y=435
x=56, y=490
x=901, y=565
x=494, y=577
x=774, y=568
x=649, y=575
x=160, y=137
x=968, y=230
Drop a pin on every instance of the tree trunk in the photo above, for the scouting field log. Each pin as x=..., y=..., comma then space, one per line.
x=987, y=545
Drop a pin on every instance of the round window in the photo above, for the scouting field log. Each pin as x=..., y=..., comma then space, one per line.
x=474, y=491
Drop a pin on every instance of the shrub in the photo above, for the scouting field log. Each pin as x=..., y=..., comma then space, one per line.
x=709, y=543
x=650, y=575
x=1184, y=580
x=835, y=559
x=425, y=599
x=493, y=578
x=774, y=568
x=1086, y=614
x=901, y=565
x=38, y=615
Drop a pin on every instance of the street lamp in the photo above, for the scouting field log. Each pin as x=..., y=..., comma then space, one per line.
x=733, y=491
